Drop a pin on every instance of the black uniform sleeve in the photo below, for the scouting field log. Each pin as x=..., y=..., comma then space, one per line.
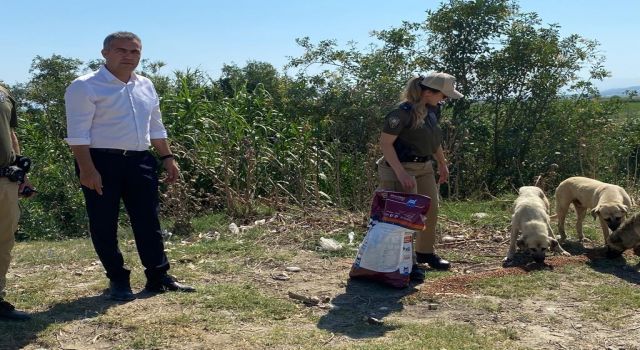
x=395, y=122
x=13, y=123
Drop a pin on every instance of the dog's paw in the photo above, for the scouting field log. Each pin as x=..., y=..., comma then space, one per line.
x=565, y=253
x=507, y=262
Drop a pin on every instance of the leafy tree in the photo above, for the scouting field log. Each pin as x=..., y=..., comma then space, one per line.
x=57, y=210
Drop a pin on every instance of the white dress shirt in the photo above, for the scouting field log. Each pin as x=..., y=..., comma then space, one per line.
x=104, y=112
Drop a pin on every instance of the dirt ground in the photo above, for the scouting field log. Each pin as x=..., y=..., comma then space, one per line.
x=357, y=311
x=536, y=322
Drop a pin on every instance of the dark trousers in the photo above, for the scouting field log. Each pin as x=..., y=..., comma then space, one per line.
x=134, y=180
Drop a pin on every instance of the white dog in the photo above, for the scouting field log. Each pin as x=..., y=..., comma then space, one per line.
x=530, y=222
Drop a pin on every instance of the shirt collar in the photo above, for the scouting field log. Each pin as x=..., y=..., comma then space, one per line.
x=104, y=72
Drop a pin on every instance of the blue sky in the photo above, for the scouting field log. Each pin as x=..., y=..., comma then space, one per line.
x=206, y=34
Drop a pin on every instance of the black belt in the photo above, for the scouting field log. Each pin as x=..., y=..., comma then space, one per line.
x=416, y=159
x=122, y=152
x=413, y=160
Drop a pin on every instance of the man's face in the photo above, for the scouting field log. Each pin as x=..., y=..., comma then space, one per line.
x=122, y=55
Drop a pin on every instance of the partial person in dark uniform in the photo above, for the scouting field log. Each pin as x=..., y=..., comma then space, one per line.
x=411, y=141
x=13, y=182
x=113, y=117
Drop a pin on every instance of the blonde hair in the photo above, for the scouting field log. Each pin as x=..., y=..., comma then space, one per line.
x=412, y=94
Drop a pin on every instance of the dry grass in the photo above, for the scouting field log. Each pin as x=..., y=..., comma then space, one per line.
x=240, y=305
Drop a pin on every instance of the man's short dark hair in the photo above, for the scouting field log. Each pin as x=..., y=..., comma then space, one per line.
x=119, y=35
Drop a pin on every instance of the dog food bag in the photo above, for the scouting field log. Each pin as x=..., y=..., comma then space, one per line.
x=386, y=253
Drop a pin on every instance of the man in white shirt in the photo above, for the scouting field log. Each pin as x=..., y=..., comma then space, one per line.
x=113, y=116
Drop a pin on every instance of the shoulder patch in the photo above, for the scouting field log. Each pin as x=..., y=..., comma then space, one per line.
x=394, y=122
x=3, y=96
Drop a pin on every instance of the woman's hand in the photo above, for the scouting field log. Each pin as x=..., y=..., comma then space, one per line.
x=443, y=173
x=408, y=182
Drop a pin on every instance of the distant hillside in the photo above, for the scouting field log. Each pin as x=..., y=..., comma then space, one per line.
x=618, y=91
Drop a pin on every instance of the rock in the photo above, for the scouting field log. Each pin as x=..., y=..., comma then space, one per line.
x=448, y=239
x=292, y=269
x=328, y=306
x=215, y=235
x=373, y=321
x=309, y=301
x=281, y=277
x=478, y=216
x=234, y=228
x=329, y=244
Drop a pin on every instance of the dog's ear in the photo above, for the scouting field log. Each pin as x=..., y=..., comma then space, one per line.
x=623, y=208
x=595, y=211
x=520, y=243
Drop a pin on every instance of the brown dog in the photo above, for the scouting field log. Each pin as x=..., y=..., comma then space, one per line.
x=608, y=202
x=530, y=221
x=627, y=236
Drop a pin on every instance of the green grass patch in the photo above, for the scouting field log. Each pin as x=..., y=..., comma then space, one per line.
x=281, y=337
x=244, y=302
x=437, y=335
x=211, y=222
x=610, y=302
x=483, y=303
x=53, y=252
x=498, y=212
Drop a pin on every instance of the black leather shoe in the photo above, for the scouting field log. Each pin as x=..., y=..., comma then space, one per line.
x=9, y=312
x=433, y=260
x=120, y=291
x=417, y=274
x=167, y=284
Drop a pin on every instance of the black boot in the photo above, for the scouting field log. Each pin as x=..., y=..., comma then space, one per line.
x=433, y=260
x=167, y=283
x=9, y=312
x=417, y=274
x=120, y=290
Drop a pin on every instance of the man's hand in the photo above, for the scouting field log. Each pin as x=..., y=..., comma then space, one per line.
x=92, y=180
x=173, y=172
